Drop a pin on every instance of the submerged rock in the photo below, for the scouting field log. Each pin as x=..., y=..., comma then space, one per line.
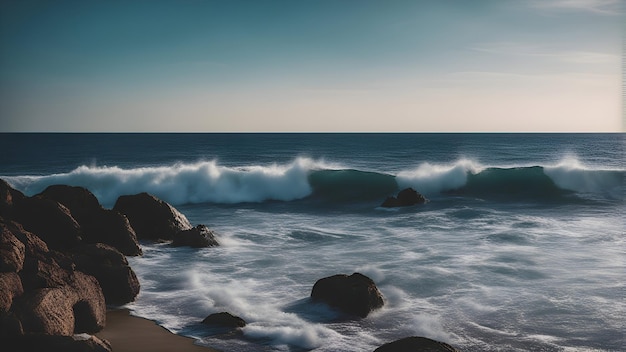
x=197, y=237
x=224, y=319
x=356, y=294
x=406, y=197
x=98, y=225
x=152, y=218
x=416, y=344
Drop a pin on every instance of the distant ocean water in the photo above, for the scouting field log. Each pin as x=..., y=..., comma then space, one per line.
x=521, y=246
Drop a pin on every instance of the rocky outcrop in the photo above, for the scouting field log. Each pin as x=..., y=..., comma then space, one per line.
x=118, y=281
x=416, y=344
x=197, y=237
x=99, y=225
x=11, y=251
x=10, y=287
x=152, y=218
x=51, y=221
x=406, y=197
x=356, y=294
x=224, y=320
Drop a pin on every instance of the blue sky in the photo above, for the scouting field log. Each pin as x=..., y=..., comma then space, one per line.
x=326, y=65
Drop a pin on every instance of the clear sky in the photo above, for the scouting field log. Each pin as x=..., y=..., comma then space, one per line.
x=312, y=65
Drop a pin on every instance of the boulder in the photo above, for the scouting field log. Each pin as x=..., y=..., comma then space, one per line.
x=49, y=220
x=34, y=247
x=10, y=287
x=406, y=197
x=356, y=294
x=152, y=218
x=99, y=225
x=8, y=197
x=12, y=251
x=76, y=307
x=117, y=279
x=197, y=237
x=225, y=320
x=415, y=344
x=48, y=311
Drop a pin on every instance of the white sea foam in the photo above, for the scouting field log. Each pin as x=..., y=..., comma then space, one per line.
x=433, y=178
x=571, y=174
x=204, y=181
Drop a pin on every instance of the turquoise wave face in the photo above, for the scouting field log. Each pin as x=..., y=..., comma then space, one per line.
x=346, y=185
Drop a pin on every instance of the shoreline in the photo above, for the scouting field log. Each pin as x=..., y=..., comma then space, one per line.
x=128, y=333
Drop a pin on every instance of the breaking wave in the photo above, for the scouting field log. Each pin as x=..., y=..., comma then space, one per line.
x=209, y=182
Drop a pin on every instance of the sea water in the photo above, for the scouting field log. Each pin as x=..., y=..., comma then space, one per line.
x=521, y=246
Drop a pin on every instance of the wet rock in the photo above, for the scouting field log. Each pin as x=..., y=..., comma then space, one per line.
x=356, y=294
x=152, y=218
x=117, y=279
x=224, y=319
x=99, y=225
x=406, y=197
x=197, y=237
x=416, y=344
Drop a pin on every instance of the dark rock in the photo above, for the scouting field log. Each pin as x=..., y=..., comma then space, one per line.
x=10, y=287
x=12, y=251
x=99, y=225
x=416, y=344
x=8, y=197
x=225, y=320
x=34, y=247
x=117, y=279
x=406, y=197
x=197, y=237
x=152, y=218
x=356, y=294
x=49, y=220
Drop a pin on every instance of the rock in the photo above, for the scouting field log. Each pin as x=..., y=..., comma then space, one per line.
x=34, y=247
x=99, y=225
x=10, y=287
x=406, y=197
x=90, y=309
x=225, y=320
x=8, y=197
x=152, y=218
x=49, y=220
x=12, y=251
x=117, y=279
x=78, y=306
x=416, y=344
x=197, y=237
x=356, y=294
x=48, y=311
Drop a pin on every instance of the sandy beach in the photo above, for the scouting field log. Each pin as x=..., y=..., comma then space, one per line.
x=127, y=333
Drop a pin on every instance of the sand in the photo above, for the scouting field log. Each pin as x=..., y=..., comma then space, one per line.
x=132, y=334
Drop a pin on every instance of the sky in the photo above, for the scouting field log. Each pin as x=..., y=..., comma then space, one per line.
x=312, y=66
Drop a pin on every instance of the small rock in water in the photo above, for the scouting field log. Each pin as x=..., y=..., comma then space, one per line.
x=405, y=198
x=224, y=319
x=356, y=294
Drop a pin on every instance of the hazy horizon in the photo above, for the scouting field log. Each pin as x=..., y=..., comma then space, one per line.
x=312, y=66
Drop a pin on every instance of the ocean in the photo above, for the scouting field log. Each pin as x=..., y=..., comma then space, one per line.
x=521, y=246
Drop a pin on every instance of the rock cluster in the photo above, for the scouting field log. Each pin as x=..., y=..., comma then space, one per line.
x=415, y=344
x=62, y=261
